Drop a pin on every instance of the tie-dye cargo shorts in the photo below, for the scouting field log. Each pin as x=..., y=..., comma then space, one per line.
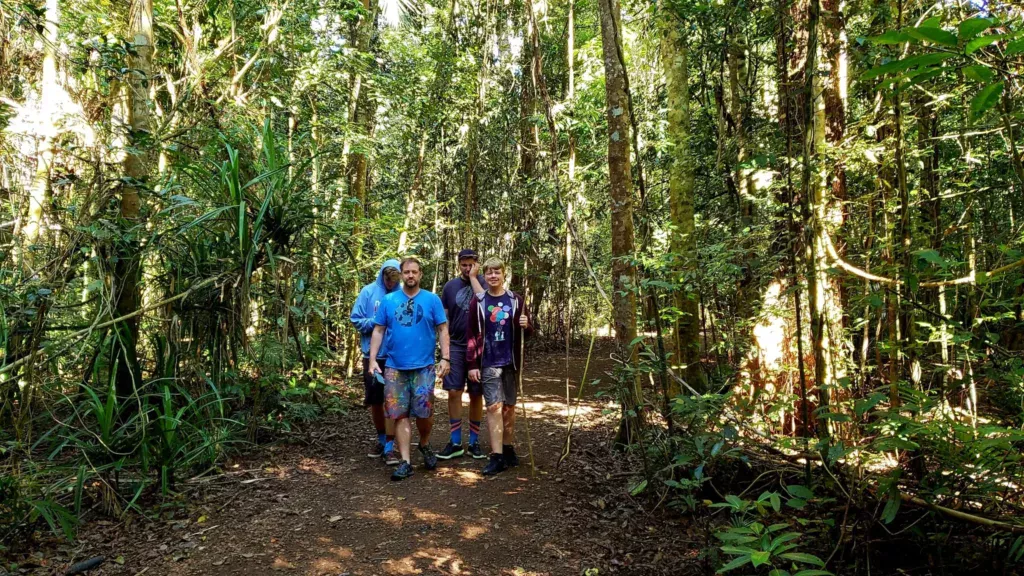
x=409, y=392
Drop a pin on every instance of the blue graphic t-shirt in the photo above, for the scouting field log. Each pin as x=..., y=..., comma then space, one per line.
x=456, y=299
x=411, y=323
x=497, y=331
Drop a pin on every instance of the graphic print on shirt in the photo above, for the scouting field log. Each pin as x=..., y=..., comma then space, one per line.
x=464, y=297
x=498, y=314
x=409, y=313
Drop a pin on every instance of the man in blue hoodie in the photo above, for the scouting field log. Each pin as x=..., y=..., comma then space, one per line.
x=363, y=311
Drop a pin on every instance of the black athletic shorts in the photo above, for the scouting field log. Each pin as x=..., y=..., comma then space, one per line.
x=374, y=390
x=457, y=378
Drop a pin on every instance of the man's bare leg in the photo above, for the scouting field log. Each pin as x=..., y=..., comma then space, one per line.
x=424, y=426
x=495, y=426
x=508, y=417
x=403, y=434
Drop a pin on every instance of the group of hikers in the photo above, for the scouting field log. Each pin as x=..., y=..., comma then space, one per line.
x=480, y=327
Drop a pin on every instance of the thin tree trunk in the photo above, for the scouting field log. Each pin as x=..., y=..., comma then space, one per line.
x=683, y=244
x=39, y=191
x=621, y=197
x=127, y=270
x=812, y=185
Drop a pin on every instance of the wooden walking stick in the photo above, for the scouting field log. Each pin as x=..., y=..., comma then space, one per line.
x=522, y=396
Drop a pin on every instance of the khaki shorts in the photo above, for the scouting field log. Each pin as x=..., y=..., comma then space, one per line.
x=501, y=385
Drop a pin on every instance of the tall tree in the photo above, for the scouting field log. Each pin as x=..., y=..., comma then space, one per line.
x=48, y=91
x=128, y=267
x=674, y=59
x=621, y=200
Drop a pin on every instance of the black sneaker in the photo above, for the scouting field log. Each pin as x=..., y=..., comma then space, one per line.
x=509, y=452
x=429, y=458
x=451, y=451
x=497, y=464
x=403, y=471
x=376, y=451
x=475, y=451
x=392, y=458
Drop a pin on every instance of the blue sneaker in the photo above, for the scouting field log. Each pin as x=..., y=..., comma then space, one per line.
x=403, y=471
x=429, y=458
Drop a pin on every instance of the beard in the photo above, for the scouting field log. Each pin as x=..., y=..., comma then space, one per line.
x=411, y=282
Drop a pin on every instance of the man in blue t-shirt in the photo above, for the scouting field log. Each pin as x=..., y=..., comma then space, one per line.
x=412, y=321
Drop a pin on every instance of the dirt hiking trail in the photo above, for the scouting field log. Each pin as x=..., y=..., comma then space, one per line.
x=320, y=506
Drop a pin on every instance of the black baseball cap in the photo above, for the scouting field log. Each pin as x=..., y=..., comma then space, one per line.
x=468, y=253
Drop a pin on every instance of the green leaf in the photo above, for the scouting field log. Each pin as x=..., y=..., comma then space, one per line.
x=801, y=557
x=737, y=550
x=933, y=257
x=985, y=99
x=800, y=491
x=776, y=502
x=736, y=563
x=1015, y=47
x=892, y=506
x=907, y=63
x=979, y=43
x=890, y=37
x=787, y=537
x=796, y=503
x=638, y=488
x=934, y=35
x=814, y=572
x=759, y=558
x=973, y=26
x=979, y=73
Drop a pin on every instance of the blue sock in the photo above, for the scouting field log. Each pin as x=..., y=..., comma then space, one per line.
x=381, y=437
x=474, y=432
x=389, y=446
x=456, y=424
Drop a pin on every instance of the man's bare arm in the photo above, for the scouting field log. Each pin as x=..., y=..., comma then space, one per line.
x=442, y=336
x=375, y=341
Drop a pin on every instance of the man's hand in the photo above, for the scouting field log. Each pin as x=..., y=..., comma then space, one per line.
x=523, y=321
x=475, y=270
x=474, y=375
x=444, y=368
x=374, y=368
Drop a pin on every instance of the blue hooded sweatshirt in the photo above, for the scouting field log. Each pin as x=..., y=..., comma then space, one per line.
x=366, y=305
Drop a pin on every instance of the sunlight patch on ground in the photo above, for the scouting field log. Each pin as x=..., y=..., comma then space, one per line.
x=441, y=560
x=334, y=561
x=521, y=572
x=401, y=567
x=473, y=531
x=315, y=466
x=432, y=517
x=342, y=552
x=468, y=478
x=391, y=516
x=281, y=564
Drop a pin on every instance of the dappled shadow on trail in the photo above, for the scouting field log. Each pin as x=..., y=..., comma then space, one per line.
x=321, y=507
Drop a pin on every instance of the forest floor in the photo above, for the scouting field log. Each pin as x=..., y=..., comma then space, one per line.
x=316, y=505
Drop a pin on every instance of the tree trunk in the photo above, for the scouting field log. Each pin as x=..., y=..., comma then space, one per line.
x=683, y=242
x=39, y=191
x=136, y=167
x=814, y=208
x=621, y=198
